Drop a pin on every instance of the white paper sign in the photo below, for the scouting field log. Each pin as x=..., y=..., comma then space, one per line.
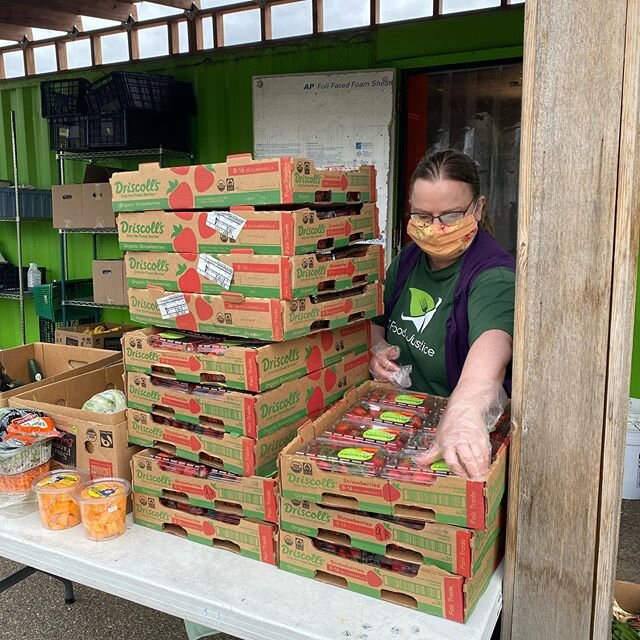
x=225, y=222
x=172, y=306
x=215, y=270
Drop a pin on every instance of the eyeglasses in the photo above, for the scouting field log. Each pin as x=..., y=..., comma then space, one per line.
x=446, y=218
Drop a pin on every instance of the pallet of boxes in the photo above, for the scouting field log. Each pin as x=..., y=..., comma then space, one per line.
x=259, y=299
x=359, y=509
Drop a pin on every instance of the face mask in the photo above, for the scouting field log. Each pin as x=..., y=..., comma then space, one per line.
x=444, y=242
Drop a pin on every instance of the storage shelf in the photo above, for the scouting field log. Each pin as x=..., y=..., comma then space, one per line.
x=90, y=230
x=14, y=295
x=94, y=305
x=123, y=153
x=26, y=219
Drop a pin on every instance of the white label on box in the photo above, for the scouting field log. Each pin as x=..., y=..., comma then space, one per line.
x=215, y=270
x=172, y=306
x=226, y=223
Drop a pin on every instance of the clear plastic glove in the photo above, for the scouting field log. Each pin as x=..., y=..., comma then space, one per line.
x=402, y=377
x=462, y=437
x=381, y=364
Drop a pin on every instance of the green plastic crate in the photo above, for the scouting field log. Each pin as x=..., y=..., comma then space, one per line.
x=48, y=298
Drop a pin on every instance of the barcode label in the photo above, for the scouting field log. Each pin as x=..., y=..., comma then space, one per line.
x=215, y=270
x=226, y=223
x=172, y=306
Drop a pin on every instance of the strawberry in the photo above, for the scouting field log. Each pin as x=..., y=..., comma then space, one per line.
x=184, y=240
x=194, y=364
x=330, y=379
x=348, y=305
x=180, y=195
x=181, y=171
x=382, y=533
x=204, y=310
x=390, y=493
x=203, y=179
x=313, y=358
x=189, y=279
x=187, y=322
x=184, y=215
x=326, y=337
x=315, y=400
x=208, y=529
x=194, y=407
x=374, y=580
x=209, y=493
x=204, y=229
x=194, y=443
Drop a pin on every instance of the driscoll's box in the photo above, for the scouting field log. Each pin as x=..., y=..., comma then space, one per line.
x=254, y=416
x=246, y=537
x=240, y=180
x=448, y=500
x=431, y=590
x=247, y=497
x=239, y=455
x=260, y=318
x=281, y=233
x=244, y=365
x=283, y=277
x=451, y=548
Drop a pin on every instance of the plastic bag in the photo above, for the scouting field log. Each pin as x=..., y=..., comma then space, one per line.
x=110, y=401
x=402, y=377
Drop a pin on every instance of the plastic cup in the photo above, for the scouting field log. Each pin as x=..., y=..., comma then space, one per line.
x=103, y=507
x=20, y=483
x=55, y=491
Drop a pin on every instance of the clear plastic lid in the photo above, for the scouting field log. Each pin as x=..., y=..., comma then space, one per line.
x=342, y=457
x=362, y=432
x=169, y=463
x=60, y=481
x=103, y=490
x=387, y=413
x=430, y=406
x=409, y=466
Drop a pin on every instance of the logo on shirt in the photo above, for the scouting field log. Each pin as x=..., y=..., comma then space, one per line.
x=421, y=309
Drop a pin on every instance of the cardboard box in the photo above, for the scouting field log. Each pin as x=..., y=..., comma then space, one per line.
x=252, y=497
x=57, y=362
x=280, y=233
x=432, y=590
x=247, y=366
x=453, y=549
x=240, y=180
x=110, y=282
x=96, y=442
x=449, y=500
x=110, y=339
x=82, y=206
x=259, y=318
x=627, y=595
x=282, y=277
x=249, y=538
x=246, y=414
x=239, y=455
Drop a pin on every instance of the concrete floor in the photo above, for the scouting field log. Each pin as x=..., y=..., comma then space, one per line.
x=35, y=609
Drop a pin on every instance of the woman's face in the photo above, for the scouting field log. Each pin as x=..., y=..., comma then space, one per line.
x=444, y=196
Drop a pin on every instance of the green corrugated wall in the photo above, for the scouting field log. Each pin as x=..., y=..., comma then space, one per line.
x=222, y=82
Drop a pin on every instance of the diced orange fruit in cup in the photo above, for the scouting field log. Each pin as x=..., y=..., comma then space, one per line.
x=21, y=482
x=103, y=507
x=56, y=498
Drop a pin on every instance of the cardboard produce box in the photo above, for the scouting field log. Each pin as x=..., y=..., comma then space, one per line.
x=244, y=365
x=431, y=590
x=110, y=282
x=253, y=497
x=240, y=180
x=453, y=549
x=56, y=362
x=84, y=206
x=240, y=455
x=448, y=500
x=98, y=335
x=280, y=233
x=256, y=276
x=627, y=594
x=246, y=414
x=247, y=537
x=259, y=318
x=96, y=442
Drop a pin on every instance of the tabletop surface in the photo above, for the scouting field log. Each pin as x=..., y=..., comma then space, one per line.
x=227, y=592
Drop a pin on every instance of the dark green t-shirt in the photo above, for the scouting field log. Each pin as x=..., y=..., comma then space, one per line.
x=418, y=322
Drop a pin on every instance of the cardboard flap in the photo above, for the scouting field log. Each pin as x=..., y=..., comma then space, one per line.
x=235, y=298
x=148, y=166
x=239, y=158
x=239, y=208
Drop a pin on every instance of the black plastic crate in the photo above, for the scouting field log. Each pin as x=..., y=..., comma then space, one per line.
x=68, y=133
x=183, y=100
x=122, y=90
x=9, y=280
x=63, y=97
x=48, y=327
x=135, y=129
x=35, y=204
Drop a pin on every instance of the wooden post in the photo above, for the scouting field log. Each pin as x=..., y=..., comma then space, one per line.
x=577, y=259
x=61, y=55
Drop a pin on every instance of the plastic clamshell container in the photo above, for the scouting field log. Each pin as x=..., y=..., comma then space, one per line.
x=341, y=457
x=55, y=491
x=387, y=413
x=103, y=507
x=25, y=458
x=167, y=462
x=431, y=407
x=229, y=518
x=20, y=483
x=408, y=466
x=362, y=432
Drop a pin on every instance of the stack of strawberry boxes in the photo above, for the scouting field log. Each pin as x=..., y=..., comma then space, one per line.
x=260, y=259
x=360, y=509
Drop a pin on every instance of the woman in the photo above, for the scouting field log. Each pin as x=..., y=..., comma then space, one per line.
x=449, y=302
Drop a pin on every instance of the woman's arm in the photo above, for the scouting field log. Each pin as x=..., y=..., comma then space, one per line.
x=488, y=357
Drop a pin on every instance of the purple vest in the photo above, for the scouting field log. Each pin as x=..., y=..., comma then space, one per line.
x=483, y=254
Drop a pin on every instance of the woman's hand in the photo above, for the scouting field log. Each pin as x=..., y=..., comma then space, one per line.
x=381, y=364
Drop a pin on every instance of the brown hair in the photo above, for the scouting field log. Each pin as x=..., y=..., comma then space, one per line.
x=450, y=164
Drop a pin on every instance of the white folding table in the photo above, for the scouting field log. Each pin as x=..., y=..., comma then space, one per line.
x=222, y=590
